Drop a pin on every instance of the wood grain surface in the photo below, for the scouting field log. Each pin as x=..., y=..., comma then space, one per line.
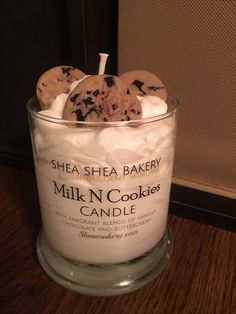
x=200, y=278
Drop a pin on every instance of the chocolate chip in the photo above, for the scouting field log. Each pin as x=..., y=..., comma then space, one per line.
x=114, y=106
x=105, y=119
x=88, y=101
x=110, y=81
x=126, y=111
x=79, y=115
x=96, y=93
x=66, y=70
x=139, y=85
x=88, y=92
x=128, y=91
x=132, y=110
x=73, y=98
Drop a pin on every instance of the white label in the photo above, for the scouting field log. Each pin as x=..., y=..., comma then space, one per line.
x=104, y=214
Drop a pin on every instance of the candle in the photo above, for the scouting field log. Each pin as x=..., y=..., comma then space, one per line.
x=103, y=183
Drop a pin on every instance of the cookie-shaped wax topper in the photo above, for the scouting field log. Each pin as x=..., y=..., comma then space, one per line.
x=144, y=83
x=101, y=98
x=54, y=82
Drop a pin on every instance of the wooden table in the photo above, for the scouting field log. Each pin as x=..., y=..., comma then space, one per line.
x=200, y=278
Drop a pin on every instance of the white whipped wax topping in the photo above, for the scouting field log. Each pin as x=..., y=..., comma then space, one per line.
x=66, y=156
x=152, y=106
x=57, y=107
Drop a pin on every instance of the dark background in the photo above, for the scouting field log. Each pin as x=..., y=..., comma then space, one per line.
x=38, y=35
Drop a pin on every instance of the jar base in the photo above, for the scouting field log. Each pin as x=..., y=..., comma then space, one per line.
x=104, y=279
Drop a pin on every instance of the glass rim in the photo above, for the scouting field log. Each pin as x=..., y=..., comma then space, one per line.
x=172, y=102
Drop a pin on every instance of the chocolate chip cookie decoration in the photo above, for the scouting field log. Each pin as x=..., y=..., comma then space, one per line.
x=54, y=82
x=144, y=83
x=102, y=98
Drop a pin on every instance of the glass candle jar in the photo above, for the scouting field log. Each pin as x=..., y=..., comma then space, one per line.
x=104, y=195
